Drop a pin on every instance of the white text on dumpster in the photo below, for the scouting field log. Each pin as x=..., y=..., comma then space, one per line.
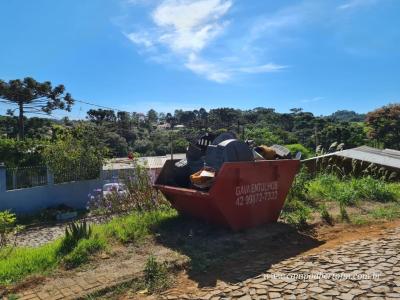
x=251, y=194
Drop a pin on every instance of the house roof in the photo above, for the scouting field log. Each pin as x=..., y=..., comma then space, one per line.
x=384, y=157
x=150, y=162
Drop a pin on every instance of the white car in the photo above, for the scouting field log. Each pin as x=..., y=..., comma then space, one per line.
x=110, y=188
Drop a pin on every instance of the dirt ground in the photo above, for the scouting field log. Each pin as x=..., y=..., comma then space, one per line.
x=218, y=255
x=238, y=256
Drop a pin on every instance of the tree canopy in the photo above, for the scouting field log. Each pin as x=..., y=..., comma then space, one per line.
x=384, y=125
x=31, y=96
x=115, y=134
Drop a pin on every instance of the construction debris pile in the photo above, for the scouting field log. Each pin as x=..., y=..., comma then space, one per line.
x=207, y=155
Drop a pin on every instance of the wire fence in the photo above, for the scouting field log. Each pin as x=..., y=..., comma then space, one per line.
x=75, y=173
x=25, y=177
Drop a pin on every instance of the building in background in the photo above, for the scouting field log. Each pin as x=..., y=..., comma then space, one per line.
x=153, y=164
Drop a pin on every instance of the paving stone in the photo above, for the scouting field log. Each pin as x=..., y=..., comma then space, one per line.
x=392, y=295
x=28, y=297
x=261, y=291
x=357, y=292
x=237, y=293
x=315, y=290
x=380, y=289
x=274, y=295
x=346, y=296
x=332, y=292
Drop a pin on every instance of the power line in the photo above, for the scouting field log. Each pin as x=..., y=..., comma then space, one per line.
x=75, y=100
x=100, y=106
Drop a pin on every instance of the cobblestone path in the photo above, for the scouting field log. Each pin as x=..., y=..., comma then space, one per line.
x=39, y=235
x=363, y=269
x=35, y=237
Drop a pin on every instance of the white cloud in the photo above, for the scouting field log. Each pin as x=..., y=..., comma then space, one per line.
x=267, y=68
x=356, y=3
x=221, y=72
x=139, y=2
x=185, y=29
x=208, y=70
x=190, y=25
x=140, y=39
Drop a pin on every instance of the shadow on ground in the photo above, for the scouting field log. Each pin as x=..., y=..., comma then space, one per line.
x=220, y=254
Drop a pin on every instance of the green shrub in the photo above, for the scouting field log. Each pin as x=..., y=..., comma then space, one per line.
x=394, y=189
x=349, y=191
x=296, y=213
x=74, y=232
x=343, y=212
x=329, y=187
x=155, y=275
x=325, y=215
x=262, y=136
x=294, y=148
x=345, y=195
x=323, y=187
x=7, y=226
x=368, y=188
x=299, y=188
x=83, y=250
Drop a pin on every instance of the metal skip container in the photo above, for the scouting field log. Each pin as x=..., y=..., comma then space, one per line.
x=244, y=194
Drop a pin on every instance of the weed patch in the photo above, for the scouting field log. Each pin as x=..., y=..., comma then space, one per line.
x=83, y=250
x=296, y=213
x=387, y=213
x=136, y=226
x=155, y=275
x=349, y=191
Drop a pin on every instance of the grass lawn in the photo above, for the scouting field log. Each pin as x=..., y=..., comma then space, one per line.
x=18, y=263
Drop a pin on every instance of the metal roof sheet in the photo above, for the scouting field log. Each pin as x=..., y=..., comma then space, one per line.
x=151, y=162
x=385, y=157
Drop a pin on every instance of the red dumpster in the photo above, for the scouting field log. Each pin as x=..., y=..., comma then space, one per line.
x=244, y=194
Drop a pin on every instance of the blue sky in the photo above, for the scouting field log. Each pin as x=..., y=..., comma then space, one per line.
x=167, y=54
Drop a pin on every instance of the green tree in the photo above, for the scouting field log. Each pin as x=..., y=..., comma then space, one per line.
x=17, y=153
x=224, y=117
x=350, y=134
x=384, y=125
x=100, y=116
x=76, y=151
x=152, y=116
x=31, y=96
x=262, y=136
